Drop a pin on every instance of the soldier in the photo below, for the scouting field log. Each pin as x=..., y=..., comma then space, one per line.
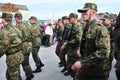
x=26, y=45
x=95, y=49
x=65, y=38
x=11, y=46
x=73, y=43
x=106, y=22
x=59, y=39
x=117, y=46
x=36, y=33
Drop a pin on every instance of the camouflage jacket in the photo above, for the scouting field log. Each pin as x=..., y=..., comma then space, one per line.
x=59, y=33
x=26, y=31
x=36, y=33
x=97, y=49
x=9, y=38
x=111, y=31
x=74, y=36
x=66, y=31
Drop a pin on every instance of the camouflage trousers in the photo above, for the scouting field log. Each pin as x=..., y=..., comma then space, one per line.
x=35, y=56
x=26, y=65
x=13, y=66
x=71, y=59
x=57, y=51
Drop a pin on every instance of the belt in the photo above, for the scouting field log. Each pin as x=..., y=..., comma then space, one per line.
x=12, y=51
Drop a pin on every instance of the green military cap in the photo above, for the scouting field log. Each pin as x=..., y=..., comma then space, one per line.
x=105, y=17
x=88, y=6
x=73, y=15
x=64, y=17
x=79, y=20
x=18, y=14
x=7, y=15
x=33, y=17
x=59, y=20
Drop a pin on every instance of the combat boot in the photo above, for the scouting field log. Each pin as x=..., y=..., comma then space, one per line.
x=38, y=69
x=28, y=78
x=32, y=76
x=66, y=73
x=41, y=64
x=63, y=70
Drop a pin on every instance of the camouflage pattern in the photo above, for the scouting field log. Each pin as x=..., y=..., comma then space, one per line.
x=26, y=46
x=36, y=32
x=59, y=39
x=34, y=18
x=27, y=36
x=72, y=46
x=73, y=15
x=111, y=31
x=67, y=28
x=97, y=49
x=117, y=46
x=11, y=43
x=88, y=6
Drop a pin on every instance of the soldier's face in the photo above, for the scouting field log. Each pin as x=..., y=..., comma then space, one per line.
x=64, y=22
x=72, y=20
x=32, y=21
x=86, y=15
x=105, y=21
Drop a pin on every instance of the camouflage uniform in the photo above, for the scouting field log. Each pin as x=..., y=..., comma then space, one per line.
x=36, y=33
x=72, y=44
x=117, y=46
x=111, y=31
x=67, y=27
x=11, y=43
x=59, y=39
x=26, y=45
x=95, y=65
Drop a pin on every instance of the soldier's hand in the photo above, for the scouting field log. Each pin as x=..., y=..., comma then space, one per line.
x=78, y=53
x=76, y=66
x=62, y=47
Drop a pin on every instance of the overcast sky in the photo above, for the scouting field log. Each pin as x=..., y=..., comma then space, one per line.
x=48, y=9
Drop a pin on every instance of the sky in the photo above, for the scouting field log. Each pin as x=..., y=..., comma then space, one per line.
x=54, y=9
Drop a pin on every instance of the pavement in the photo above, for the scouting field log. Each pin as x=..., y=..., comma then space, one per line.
x=50, y=71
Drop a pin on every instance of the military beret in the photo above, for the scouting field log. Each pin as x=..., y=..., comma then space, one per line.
x=7, y=15
x=73, y=15
x=18, y=14
x=88, y=6
x=64, y=17
x=105, y=17
x=33, y=17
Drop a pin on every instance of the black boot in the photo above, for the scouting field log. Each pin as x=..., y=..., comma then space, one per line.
x=41, y=64
x=66, y=73
x=38, y=69
x=63, y=70
x=61, y=65
x=32, y=76
x=28, y=78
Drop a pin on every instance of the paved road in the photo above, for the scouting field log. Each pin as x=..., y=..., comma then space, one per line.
x=50, y=71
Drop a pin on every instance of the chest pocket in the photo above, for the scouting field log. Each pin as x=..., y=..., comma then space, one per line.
x=90, y=34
